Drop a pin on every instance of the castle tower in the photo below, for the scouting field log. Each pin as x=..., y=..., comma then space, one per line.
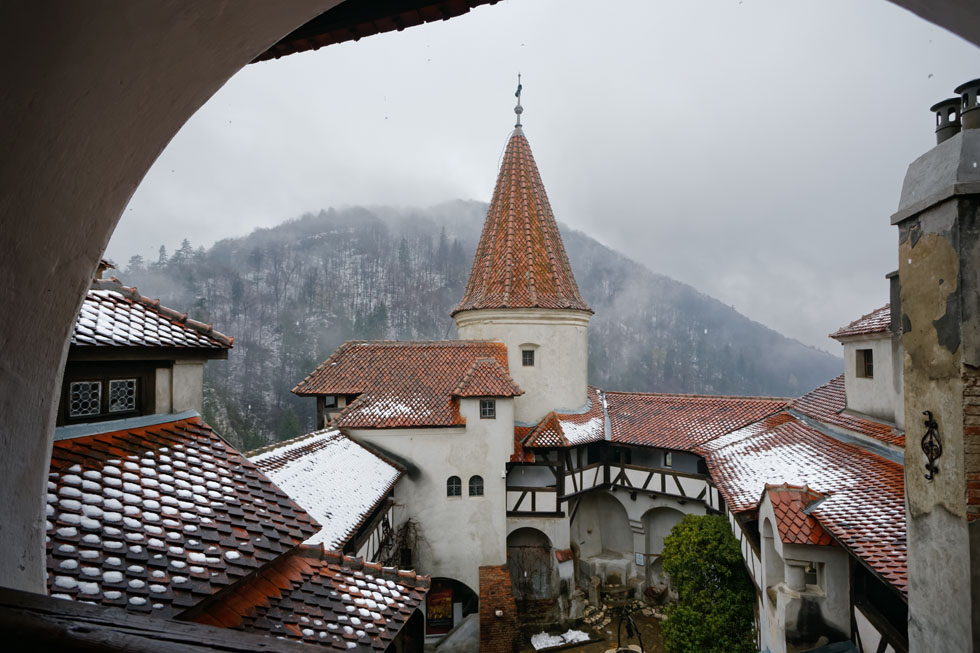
x=521, y=291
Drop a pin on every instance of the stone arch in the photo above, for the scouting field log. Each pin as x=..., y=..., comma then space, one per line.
x=772, y=562
x=657, y=523
x=601, y=525
x=530, y=556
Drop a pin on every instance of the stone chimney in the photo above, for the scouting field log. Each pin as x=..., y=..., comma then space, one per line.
x=939, y=293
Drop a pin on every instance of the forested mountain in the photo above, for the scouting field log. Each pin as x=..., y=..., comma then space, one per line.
x=292, y=294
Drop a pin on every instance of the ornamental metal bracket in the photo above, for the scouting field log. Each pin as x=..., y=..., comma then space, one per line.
x=932, y=446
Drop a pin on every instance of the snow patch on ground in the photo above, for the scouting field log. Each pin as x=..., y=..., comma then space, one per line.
x=544, y=640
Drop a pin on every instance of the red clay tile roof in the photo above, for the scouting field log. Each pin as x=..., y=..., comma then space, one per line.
x=877, y=321
x=320, y=597
x=520, y=261
x=795, y=526
x=339, y=482
x=571, y=429
x=406, y=384
x=521, y=455
x=865, y=505
x=155, y=519
x=113, y=315
x=681, y=421
x=827, y=403
x=486, y=378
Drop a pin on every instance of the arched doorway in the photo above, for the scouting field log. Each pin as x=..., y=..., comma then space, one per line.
x=531, y=561
x=601, y=525
x=657, y=523
x=447, y=602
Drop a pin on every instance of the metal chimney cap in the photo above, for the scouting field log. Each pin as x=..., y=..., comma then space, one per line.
x=948, y=103
x=973, y=83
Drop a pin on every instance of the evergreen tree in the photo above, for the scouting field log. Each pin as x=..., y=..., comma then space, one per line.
x=715, y=608
x=162, y=259
x=135, y=264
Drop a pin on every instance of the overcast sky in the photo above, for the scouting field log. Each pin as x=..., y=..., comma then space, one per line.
x=754, y=149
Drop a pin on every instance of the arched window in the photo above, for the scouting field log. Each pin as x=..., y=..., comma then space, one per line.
x=454, y=487
x=476, y=486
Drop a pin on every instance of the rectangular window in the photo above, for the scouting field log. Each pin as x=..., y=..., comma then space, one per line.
x=865, y=363
x=488, y=409
x=85, y=398
x=122, y=395
x=668, y=459
x=527, y=357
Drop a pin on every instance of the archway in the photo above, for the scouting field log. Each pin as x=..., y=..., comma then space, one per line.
x=531, y=561
x=601, y=525
x=657, y=523
x=447, y=602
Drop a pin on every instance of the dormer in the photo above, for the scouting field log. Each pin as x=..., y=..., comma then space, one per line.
x=873, y=367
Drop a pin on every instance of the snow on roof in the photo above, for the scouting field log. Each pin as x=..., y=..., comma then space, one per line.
x=865, y=505
x=877, y=321
x=113, y=315
x=336, y=480
x=321, y=597
x=158, y=518
x=410, y=383
x=570, y=429
x=827, y=404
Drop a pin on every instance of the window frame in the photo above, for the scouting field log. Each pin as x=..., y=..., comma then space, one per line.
x=669, y=459
x=475, y=482
x=864, y=364
x=454, y=490
x=488, y=409
x=527, y=358
x=105, y=374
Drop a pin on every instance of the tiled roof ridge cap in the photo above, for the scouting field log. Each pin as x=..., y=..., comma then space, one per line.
x=133, y=294
x=843, y=330
x=699, y=396
x=73, y=431
x=285, y=443
x=330, y=556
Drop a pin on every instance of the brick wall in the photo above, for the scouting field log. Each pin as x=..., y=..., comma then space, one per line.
x=497, y=634
x=971, y=439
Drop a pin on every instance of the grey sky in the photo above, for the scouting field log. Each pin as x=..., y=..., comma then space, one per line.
x=753, y=149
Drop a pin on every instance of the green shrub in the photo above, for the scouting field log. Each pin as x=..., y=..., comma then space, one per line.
x=715, y=608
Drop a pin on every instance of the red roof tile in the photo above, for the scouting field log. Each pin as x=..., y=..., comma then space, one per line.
x=571, y=429
x=113, y=315
x=827, y=404
x=795, y=526
x=521, y=455
x=406, y=384
x=520, y=261
x=681, y=421
x=865, y=505
x=154, y=519
x=321, y=597
x=877, y=321
x=486, y=378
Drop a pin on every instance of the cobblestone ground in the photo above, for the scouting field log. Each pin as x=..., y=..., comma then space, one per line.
x=649, y=629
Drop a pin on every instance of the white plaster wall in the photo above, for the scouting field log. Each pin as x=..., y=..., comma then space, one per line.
x=883, y=395
x=164, y=392
x=83, y=120
x=559, y=378
x=530, y=476
x=460, y=533
x=188, y=386
x=556, y=528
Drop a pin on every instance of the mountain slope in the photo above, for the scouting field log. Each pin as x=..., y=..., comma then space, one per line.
x=293, y=293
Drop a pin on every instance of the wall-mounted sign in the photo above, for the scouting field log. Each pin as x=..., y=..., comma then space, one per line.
x=639, y=559
x=439, y=609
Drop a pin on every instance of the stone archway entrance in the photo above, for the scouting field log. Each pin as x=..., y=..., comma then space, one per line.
x=657, y=523
x=530, y=557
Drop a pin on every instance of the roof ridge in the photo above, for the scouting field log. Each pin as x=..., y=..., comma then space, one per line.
x=844, y=329
x=699, y=396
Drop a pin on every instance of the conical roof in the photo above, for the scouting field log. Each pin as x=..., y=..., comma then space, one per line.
x=521, y=260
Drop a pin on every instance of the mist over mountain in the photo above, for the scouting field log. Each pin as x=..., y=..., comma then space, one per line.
x=293, y=293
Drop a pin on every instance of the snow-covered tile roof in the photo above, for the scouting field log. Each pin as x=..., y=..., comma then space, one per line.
x=336, y=480
x=681, y=421
x=795, y=525
x=827, y=404
x=321, y=597
x=877, y=321
x=570, y=429
x=409, y=383
x=157, y=518
x=113, y=315
x=865, y=505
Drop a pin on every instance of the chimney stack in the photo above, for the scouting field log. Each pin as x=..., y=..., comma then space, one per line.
x=948, y=117
x=969, y=109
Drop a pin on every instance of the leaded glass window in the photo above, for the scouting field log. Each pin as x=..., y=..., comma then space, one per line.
x=454, y=487
x=122, y=395
x=85, y=398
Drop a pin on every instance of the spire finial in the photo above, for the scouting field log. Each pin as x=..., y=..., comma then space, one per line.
x=518, y=109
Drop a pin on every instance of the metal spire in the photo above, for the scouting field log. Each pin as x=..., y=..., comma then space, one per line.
x=518, y=109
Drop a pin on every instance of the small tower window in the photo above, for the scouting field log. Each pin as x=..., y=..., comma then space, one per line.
x=527, y=357
x=476, y=486
x=488, y=409
x=668, y=459
x=454, y=487
x=865, y=363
